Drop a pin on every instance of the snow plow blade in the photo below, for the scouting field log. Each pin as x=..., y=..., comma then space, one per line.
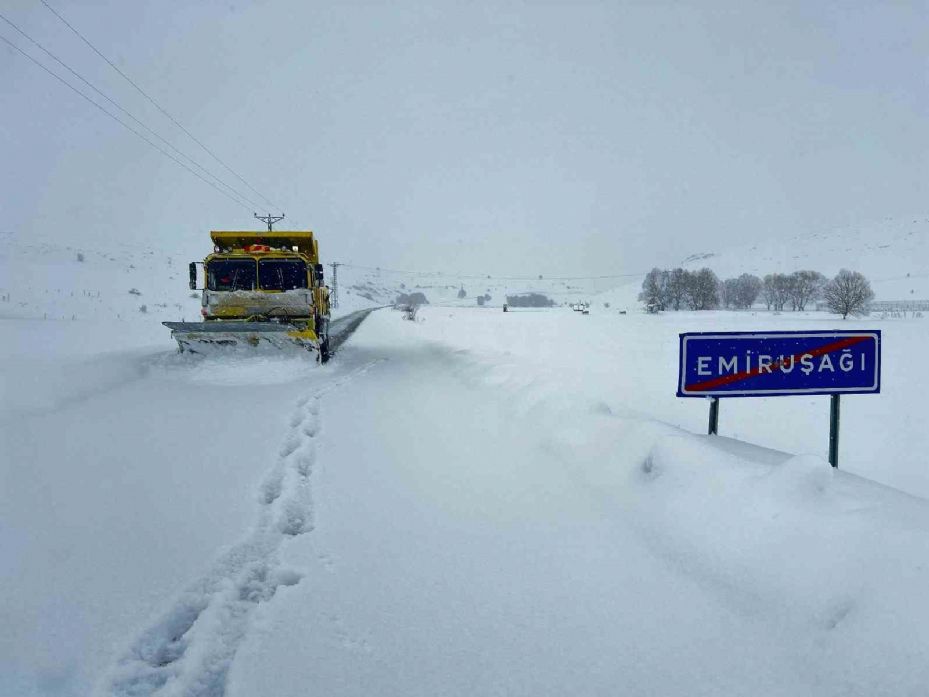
x=204, y=337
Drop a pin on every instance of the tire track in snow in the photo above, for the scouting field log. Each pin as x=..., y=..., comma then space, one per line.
x=189, y=649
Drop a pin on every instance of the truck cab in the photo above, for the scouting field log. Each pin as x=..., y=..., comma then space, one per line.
x=259, y=287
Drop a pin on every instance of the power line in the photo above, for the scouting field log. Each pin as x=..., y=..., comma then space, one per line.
x=125, y=111
x=443, y=274
x=123, y=123
x=901, y=278
x=158, y=106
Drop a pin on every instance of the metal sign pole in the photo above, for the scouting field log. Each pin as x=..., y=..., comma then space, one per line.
x=714, y=416
x=834, y=431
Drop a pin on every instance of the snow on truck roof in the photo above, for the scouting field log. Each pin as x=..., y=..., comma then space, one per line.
x=239, y=239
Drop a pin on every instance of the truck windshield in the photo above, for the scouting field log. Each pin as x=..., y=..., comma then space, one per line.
x=231, y=274
x=281, y=274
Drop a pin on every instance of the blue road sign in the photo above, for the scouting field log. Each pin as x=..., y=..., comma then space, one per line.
x=762, y=364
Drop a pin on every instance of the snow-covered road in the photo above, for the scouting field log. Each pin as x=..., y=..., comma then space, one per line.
x=460, y=556
x=476, y=503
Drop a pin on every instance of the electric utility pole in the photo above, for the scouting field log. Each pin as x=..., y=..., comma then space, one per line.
x=270, y=219
x=334, y=294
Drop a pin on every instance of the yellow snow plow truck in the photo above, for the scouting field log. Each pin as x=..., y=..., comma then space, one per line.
x=260, y=289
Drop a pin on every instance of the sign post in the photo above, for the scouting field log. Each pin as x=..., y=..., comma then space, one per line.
x=777, y=364
x=714, y=416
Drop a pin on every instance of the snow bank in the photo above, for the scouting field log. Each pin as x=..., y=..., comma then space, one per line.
x=629, y=363
x=833, y=564
x=506, y=518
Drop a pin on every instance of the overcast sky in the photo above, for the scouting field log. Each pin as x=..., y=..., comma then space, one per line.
x=568, y=139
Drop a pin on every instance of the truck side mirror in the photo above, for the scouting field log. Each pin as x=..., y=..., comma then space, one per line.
x=193, y=275
x=319, y=273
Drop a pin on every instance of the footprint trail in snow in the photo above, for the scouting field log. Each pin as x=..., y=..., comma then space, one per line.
x=189, y=649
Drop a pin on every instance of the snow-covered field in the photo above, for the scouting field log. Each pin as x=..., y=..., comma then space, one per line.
x=473, y=503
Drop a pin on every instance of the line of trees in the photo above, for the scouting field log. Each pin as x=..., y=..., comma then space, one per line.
x=797, y=289
x=680, y=289
x=849, y=293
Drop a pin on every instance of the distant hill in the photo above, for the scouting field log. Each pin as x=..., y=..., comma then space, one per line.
x=40, y=279
x=43, y=280
x=893, y=254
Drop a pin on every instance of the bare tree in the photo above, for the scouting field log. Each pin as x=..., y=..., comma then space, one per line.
x=667, y=295
x=740, y=293
x=767, y=291
x=776, y=291
x=676, y=286
x=702, y=289
x=688, y=285
x=782, y=290
x=849, y=293
x=747, y=290
x=654, y=288
x=804, y=287
x=792, y=290
x=729, y=293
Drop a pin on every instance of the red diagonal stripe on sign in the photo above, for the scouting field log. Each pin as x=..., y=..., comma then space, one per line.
x=744, y=375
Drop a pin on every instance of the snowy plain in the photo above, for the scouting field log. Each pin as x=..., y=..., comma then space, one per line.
x=473, y=503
